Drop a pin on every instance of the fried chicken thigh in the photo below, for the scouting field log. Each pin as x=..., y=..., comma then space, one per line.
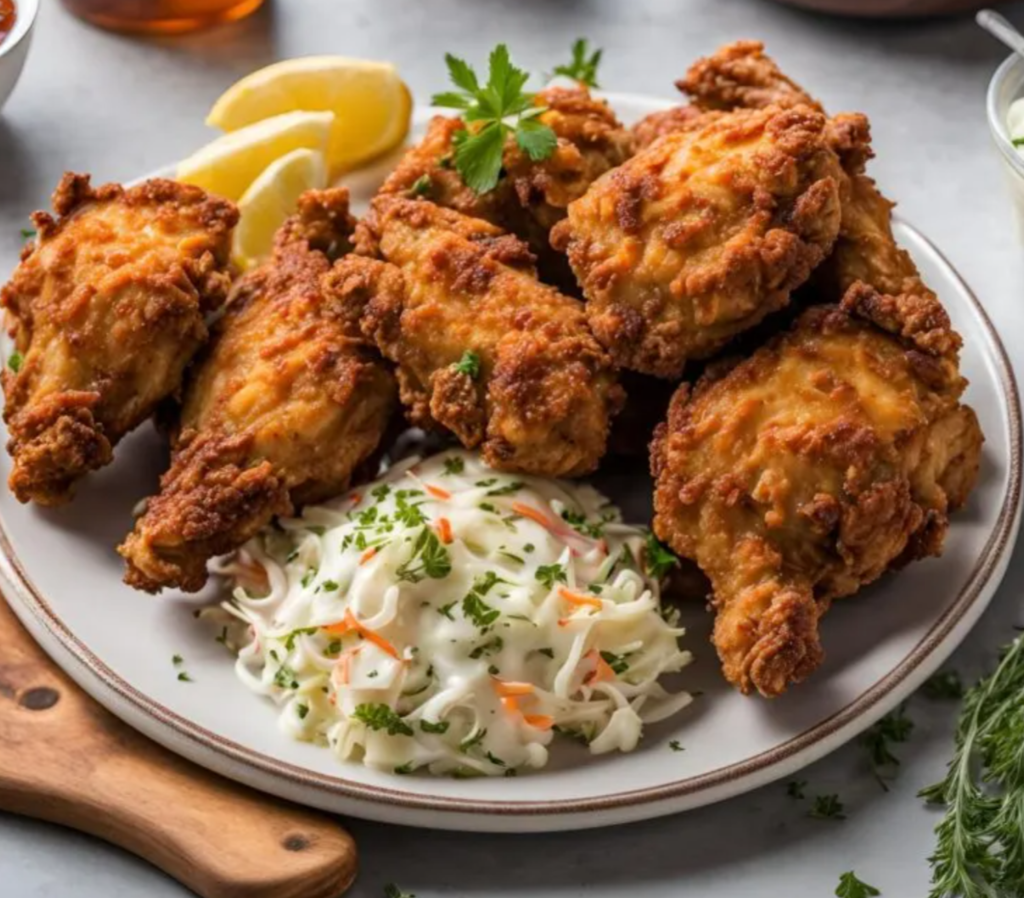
x=106, y=309
x=483, y=348
x=531, y=197
x=833, y=453
x=283, y=409
x=701, y=235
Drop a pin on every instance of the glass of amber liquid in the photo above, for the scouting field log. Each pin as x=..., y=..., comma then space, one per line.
x=161, y=16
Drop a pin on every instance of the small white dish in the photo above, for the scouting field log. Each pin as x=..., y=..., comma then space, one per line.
x=63, y=579
x=14, y=48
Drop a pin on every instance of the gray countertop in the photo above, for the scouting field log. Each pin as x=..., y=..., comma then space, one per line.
x=120, y=107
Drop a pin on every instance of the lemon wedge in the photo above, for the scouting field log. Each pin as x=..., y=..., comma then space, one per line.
x=371, y=104
x=270, y=199
x=231, y=163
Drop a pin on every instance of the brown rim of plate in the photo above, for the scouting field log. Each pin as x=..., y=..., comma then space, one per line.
x=205, y=739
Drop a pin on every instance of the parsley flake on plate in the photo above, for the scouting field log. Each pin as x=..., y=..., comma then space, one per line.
x=851, y=887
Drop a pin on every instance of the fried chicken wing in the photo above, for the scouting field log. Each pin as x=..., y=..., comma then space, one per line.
x=531, y=196
x=833, y=453
x=282, y=409
x=701, y=235
x=483, y=348
x=106, y=309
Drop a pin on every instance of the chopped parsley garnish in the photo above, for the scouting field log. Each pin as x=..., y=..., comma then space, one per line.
x=185, y=678
x=550, y=574
x=496, y=760
x=470, y=741
x=827, y=807
x=617, y=663
x=421, y=186
x=851, y=887
x=893, y=728
x=378, y=716
x=14, y=361
x=529, y=547
x=177, y=660
x=488, y=648
x=307, y=577
x=676, y=745
x=478, y=611
x=507, y=489
x=516, y=558
x=454, y=464
x=223, y=637
x=487, y=110
x=483, y=584
x=583, y=65
x=392, y=891
x=429, y=559
x=580, y=524
x=1018, y=141
x=27, y=233
x=550, y=653
x=487, y=506
x=285, y=677
x=446, y=610
x=317, y=529
x=944, y=685
x=329, y=586
x=795, y=789
x=302, y=711
x=380, y=493
x=289, y=640
x=658, y=560
x=440, y=727
x=469, y=365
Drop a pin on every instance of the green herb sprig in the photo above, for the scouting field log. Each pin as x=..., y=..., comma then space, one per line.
x=851, y=887
x=493, y=111
x=582, y=67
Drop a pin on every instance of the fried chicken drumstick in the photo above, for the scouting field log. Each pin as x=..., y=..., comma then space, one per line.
x=700, y=236
x=106, y=309
x=283, y=408
x=483, y=348
x=531, y=197
x=833, y=453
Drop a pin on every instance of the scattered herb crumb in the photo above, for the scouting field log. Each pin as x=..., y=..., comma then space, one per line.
x=945, y=685
x=827, y=807
x=676, y=745
x=795, y=789
x=851, y=887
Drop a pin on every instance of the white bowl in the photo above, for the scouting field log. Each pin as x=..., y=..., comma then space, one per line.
x=14, y=47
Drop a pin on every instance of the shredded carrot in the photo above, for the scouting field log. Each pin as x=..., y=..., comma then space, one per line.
x=554, y=526
x=602, y=669
x=349, y=625
x=356, y=498
x=564, y=621
x=344, y=665
x=509, y=703
x=367, y=555
x=539, y=721
x=509, y=688
x=437, y=492
x=575, y=598
x=603, y=546
x=444, y=530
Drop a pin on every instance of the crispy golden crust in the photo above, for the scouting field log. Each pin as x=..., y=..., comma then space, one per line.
x=106, y=308
x=667, y=121
x=531, y=197
x=284, y=406
x=703, y=234
x=796, y=476
x=546, y=391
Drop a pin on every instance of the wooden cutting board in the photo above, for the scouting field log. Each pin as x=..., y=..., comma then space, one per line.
x=65, y=759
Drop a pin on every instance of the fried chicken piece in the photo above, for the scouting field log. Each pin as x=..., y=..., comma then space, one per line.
x=106, y=309
x=285, y=406
x=531, y=197
x=483, y=348
x=701, y=235
x=742, y=76
x=667, y=121
x=835, y=452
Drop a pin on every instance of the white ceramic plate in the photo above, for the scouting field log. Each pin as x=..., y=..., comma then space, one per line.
x=64, y=582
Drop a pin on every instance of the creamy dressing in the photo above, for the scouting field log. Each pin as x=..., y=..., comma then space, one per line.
x=456, y=619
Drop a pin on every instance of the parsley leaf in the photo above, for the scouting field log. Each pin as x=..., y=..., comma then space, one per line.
x=851, y=887
x=478, y=611
x=488, y=648
x=421, y=186
x=14, y=361
x=550, y=574
x=185, y=678
x=582, y=67
x=676, y=745
x=945, y=684
x=440, y=727
x=795, y=789
x=507, y=489
x=469, y=365
x=454, y=464
x=617, y=663
x=827, y=807
x=487, y=110
x=893, y=728
x=432, y=557
x=658, y=560
x=27, y=233
x=378, y=716
x=285, y=677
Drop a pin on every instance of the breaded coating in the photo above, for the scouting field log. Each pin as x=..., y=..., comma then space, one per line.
x=483, y=348
x=704, y=233
x=285, y=406
x=667, y=121
x=742, y=76
x=833, y=453
x=531, y=197
x=106, y=309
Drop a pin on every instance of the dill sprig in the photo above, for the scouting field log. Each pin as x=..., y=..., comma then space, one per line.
x=980, y=840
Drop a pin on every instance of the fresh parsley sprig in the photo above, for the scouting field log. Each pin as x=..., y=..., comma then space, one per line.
x=582, y=67
x=851, y=887
x=492, y=112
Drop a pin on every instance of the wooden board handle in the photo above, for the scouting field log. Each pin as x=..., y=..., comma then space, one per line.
x=67, y=760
